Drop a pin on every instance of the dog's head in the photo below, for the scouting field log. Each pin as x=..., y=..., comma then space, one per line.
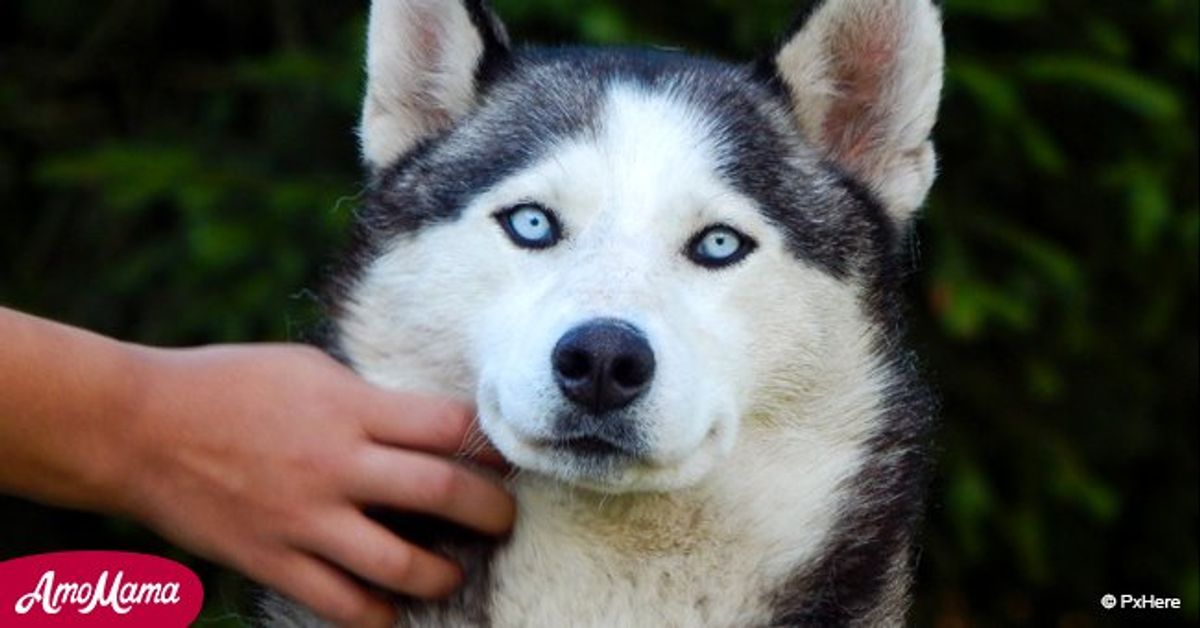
x=625, y=255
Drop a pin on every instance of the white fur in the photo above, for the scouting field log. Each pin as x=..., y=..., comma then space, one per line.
x=866, y=76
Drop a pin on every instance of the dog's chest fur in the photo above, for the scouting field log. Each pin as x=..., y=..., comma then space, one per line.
x=714, y=556
x=649, y=561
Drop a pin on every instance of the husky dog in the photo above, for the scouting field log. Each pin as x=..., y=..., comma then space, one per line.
x=672, y=287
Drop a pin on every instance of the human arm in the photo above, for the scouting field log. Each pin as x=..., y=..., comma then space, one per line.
x=258, y=456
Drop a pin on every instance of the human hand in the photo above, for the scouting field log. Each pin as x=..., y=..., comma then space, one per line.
x=263, y=457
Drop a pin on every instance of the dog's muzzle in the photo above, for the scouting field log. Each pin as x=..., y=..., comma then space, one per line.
x=601, y=366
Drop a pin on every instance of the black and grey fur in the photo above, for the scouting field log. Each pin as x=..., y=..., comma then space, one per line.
x=795, y=498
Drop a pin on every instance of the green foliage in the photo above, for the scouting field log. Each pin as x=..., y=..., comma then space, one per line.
x=180, y=173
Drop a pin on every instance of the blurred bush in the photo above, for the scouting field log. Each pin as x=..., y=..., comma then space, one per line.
x=179, y=173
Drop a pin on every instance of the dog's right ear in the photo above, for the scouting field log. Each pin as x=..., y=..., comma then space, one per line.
x=426, y=62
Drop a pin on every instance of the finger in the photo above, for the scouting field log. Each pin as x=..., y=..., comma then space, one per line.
x=414, y=481
x=478, y=449
x=328, y=592
x=371, y=551
x=431, y=424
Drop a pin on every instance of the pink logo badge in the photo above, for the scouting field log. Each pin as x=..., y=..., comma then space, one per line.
x=97, y=589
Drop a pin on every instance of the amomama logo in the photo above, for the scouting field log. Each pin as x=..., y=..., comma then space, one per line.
x=97, y=589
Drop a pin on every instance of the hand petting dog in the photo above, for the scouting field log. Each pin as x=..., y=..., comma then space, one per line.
x=259, y=457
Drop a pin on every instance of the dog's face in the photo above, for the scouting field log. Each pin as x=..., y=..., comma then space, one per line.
x=624, y=256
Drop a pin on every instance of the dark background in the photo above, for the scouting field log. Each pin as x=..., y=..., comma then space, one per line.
x=181, y=172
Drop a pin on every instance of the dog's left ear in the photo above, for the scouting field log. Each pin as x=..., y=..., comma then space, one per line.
x=426, y=63
x=865, y=77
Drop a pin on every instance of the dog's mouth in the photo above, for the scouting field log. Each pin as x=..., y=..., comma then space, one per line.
x=607, y=454
x=586, y=461
x=591, y=462
x=587, y=447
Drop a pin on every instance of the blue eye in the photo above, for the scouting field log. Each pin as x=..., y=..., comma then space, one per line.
x=530, y=226
x=719, y=246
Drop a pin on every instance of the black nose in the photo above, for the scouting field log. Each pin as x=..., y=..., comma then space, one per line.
x=603, y=364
